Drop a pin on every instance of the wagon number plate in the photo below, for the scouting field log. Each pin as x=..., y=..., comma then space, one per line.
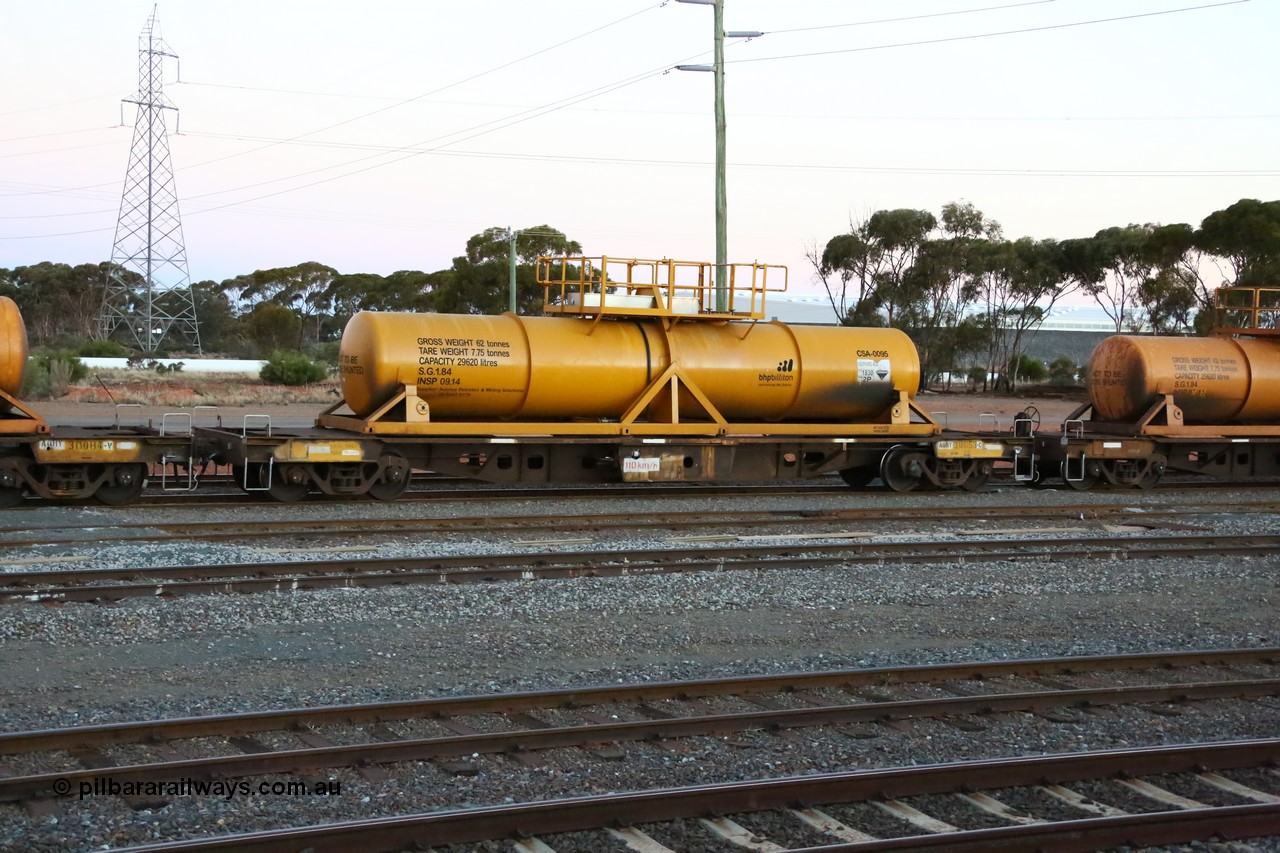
x=86, y=450
x=972, y=448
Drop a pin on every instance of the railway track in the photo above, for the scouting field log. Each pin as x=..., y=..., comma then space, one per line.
x=1038, y=800
x=604, y=723
x=455, y=730
x=15, y=536
x=51, y=586
x=433, y=490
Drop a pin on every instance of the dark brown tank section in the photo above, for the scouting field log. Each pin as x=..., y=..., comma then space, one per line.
x=1216, y=380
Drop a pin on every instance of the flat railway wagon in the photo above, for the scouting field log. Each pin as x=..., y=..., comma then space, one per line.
x=637, y=371
x=111, y=461
x=1195, y=405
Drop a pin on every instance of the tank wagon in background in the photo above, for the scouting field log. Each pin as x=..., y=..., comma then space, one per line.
x=631, y=375
x=1198, y=405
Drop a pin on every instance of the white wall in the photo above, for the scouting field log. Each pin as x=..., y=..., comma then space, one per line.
x=189, y=365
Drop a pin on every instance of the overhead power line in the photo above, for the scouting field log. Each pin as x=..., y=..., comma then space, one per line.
x=363, y=115
x=907, y=18
x=405, y=151
x=401, y=100
x=416, y=149
x=1020, y=31
x=60, y=133
x=446, y=87
x=60, y=104
x=57, y=150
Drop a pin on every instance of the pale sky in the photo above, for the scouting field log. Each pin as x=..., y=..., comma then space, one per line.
x=378, y=136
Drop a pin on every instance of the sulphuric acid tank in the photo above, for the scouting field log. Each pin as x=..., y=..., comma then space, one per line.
x=1217, y=380
x=13, y=349
x=509, y=367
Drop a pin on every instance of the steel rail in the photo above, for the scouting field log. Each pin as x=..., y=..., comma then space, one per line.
x=474, y=490
x=560, y=737
x=1224, y=823
x=217, y=530
x=44, y=740
x=580, y=814
x=463, y=490
x=86, y=585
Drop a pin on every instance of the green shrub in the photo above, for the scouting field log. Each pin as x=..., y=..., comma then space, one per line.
x=1063, y=371
x=50, y=375
x=292, y=368
x=102, y=349
x=325, y=352
x=1030, y=369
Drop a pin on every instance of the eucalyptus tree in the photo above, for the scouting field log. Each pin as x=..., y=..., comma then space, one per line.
x=216, y=316
x=303, y=288
x=1039, y=279
x=900, y=236
x=847, y=270
x=1247, y=236
x=477, y=282
x=346, y=294
x=59, y=303
x=403, y=290
x=1175, y=296
x=409, y=290
x=943, y=282
x=1018, y=283
x=1111, y=267
x=1168, y=299
x=867, y=272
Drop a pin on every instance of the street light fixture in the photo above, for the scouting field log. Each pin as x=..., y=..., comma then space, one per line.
x=722, y=227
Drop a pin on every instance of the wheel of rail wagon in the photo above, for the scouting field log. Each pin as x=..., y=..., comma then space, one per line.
x=10, y=496
x=394, y=478
x=1155, y=470
x=124, y=484
x=250, y=477
x=979, y=474
x=1085, y=483
x=289, y=483
x=859, y=477
x=902, y=468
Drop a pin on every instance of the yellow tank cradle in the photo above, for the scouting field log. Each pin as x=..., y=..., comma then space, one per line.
x=1253, y=311
x=408, y=414
x=18, y=419
x=1164, y=418
x=664, y=289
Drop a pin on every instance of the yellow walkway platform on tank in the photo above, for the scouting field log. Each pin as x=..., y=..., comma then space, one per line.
x=666, y=290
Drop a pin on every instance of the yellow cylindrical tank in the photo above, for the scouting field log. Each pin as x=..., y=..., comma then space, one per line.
x=13, y=348
x=1216, y=380
x=554, y=368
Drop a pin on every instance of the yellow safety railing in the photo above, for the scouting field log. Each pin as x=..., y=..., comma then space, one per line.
x=659, y=288
x=1247, y=310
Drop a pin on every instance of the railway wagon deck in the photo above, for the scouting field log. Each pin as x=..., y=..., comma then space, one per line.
x=1088, y=453
x=288, y=464
x=111, y=463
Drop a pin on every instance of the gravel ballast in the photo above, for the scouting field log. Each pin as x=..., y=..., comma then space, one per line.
x=148, y=658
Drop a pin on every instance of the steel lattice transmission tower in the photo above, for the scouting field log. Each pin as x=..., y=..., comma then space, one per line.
x=148, y=290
